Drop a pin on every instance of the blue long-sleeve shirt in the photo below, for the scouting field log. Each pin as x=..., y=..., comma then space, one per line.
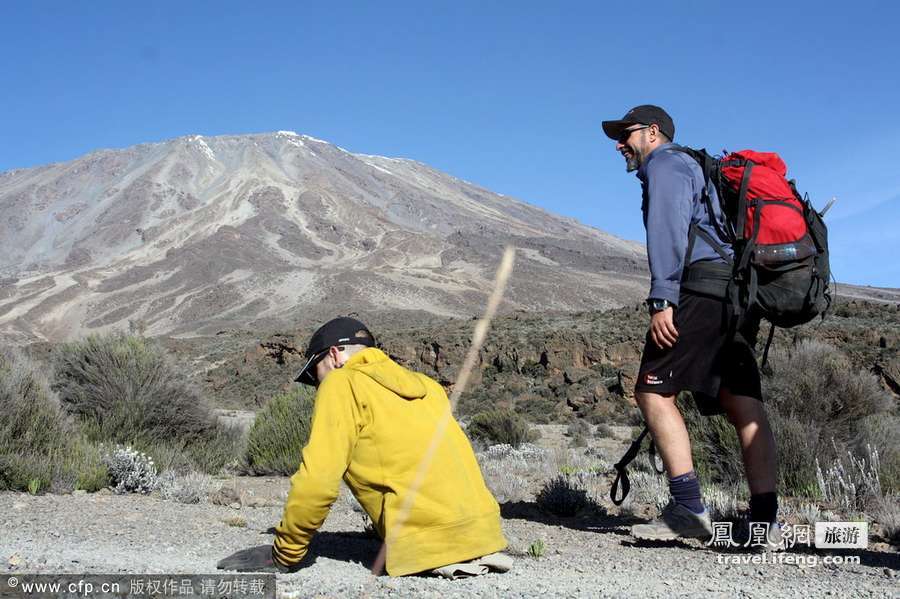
x=672, y=185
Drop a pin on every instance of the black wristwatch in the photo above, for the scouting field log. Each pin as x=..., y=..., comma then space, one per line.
x=658, y=305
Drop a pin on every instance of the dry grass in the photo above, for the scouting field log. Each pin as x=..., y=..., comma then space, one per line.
x=887, y=515
x=647, y=489
x=513, y=473
x=193, y=487
x=236, y=521
x=724, y=502
x=851, y=483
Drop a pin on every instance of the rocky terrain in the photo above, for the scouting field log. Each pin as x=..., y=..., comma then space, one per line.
x=547, y=365
x=587, y=555
x=197, y=234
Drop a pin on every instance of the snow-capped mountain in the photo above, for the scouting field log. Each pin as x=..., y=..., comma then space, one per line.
x=198, y=233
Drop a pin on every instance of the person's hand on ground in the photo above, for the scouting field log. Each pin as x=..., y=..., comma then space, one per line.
x=662, y=328
x=254, y=559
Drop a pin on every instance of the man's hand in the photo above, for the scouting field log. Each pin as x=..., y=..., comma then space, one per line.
x=254, y=559
x=662, y=328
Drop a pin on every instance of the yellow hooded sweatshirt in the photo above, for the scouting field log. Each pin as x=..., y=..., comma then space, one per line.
x=372, y=424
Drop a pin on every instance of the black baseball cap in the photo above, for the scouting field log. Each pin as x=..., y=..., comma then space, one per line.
x=339, y=331
x=645, y=114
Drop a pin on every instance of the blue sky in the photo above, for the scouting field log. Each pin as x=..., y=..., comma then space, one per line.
x=508, y=95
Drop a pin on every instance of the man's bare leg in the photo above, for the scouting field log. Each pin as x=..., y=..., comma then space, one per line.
x=749, y=418
x=685, y=515
x=669, y=432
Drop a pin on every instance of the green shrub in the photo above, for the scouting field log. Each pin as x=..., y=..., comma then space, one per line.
x=84, y=462
x=715, y=448
x=604, y=431
x=562, y=496
x=222, y=448
x=124, y=390
x=537, y=549
x=500, y=426
x=473, y=401
x=537, y=408
x=40, y=449
x=795, y=441
x=819, y=406
x=280, y=431
x=578, y=428
x=815, y=382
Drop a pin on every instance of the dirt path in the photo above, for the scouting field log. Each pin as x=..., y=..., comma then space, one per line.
x=589, y=556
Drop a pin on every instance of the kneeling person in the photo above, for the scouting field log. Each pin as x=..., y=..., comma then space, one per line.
x=373, y=422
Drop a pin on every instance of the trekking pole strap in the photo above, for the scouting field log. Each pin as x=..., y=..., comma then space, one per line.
x=651, y=455
x=621, y=469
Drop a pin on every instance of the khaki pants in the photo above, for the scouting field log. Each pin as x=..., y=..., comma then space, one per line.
x=495, y=562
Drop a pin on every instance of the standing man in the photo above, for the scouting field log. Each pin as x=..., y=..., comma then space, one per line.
x=691, y=344
x=372, y=425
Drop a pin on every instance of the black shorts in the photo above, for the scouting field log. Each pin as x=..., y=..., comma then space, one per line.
x=705, y=358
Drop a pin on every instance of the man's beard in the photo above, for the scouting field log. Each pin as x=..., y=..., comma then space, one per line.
x=632, y=163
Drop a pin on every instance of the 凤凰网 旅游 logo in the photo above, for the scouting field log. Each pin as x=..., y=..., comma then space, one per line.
x=842, y=535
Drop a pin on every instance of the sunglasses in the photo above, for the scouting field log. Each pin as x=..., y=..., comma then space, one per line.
x=624, y=135
x=308, y=375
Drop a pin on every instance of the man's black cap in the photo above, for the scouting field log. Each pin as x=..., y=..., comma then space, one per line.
x=645, y=114
x=339, y=331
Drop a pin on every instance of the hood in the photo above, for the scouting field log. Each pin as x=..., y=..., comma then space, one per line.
x=376, y=365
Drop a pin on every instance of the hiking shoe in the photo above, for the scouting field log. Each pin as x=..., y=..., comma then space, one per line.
x=675, y=521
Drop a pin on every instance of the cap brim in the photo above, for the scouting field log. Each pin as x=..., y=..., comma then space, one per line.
x=306, y=375
x=613, y=129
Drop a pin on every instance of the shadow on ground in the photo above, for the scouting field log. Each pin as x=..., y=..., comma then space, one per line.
x=353, y=547
x=594, y=519
x=597, y=520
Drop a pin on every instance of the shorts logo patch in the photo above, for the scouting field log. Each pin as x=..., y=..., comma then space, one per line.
x=652, y=379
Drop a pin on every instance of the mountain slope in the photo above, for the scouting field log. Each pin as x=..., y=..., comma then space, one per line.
x=199, y=233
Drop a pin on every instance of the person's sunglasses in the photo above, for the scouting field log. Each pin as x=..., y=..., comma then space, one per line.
x=624, y=135
x=309, y=370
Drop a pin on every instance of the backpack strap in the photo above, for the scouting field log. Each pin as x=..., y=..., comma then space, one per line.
x=707, y=199
x=749, y=248
x=715, y=245
x=742, y=199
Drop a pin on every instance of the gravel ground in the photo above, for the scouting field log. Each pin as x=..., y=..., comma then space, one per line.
x=585, y=556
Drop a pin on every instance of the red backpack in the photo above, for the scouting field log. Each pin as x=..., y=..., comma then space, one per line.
x=773, y=212
x=780, y=242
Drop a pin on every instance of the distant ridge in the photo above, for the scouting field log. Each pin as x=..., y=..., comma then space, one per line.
x=194, y=234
